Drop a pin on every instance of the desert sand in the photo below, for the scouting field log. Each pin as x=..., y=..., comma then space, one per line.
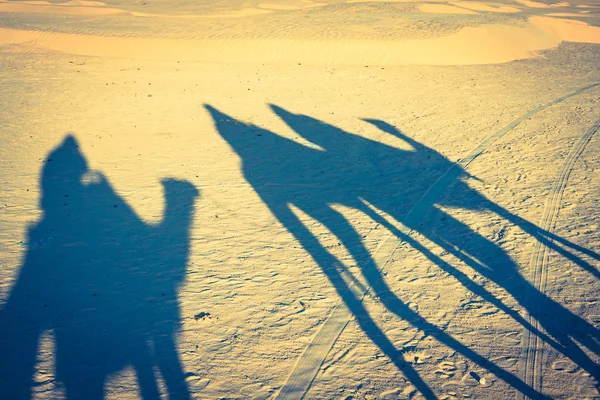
x=299, y=199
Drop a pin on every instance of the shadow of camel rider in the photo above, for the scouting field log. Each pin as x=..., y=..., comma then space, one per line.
x=104, y=282
x=364, y=174
x=395, y=181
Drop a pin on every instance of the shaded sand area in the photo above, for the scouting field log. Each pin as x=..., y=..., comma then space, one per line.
x=299, y=199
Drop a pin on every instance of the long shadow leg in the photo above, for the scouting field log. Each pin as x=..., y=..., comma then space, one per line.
x=352, y=241
x=559, y=322
x=90, y=389
x=23, y=319
x=327, y=263
x=459, y=275
x=481, y=200
x=546, y=237
x=18, y=350
x=553, y=320
x=169, y=364
x=144, y=370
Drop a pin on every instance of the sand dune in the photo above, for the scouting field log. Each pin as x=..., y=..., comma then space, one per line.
x=486, y=44
x=535, y=4
x=74, y=8
x=472, y=5
x=444, y=9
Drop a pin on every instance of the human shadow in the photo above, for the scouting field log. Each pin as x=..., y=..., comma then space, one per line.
x=102, y=281
x=367, y=175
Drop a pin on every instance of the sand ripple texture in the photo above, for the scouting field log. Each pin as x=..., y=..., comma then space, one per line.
x=358, y=33
x=147, y=97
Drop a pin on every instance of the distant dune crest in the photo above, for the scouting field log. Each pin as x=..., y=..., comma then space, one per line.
x=484, y=44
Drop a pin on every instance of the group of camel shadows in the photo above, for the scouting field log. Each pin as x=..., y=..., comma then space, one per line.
x=106, y=283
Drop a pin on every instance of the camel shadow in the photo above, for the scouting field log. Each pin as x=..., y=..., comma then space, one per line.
x=367, y=175
x=102, y=281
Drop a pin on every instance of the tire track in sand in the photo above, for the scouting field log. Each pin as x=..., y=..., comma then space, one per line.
x=530, y=365
x=306, y=368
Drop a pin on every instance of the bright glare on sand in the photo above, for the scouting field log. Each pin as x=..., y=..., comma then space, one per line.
x=343, y=199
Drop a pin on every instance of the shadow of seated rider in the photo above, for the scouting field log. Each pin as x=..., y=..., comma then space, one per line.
x=357, y=172
x=103, y=281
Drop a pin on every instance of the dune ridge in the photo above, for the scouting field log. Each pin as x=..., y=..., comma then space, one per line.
x=485, y=44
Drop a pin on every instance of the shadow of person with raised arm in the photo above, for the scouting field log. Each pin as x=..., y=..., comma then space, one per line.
x=102, y=281
x=364, y=174
x=398, y=181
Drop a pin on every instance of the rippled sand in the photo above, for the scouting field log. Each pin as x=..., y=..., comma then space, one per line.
x=468, y=126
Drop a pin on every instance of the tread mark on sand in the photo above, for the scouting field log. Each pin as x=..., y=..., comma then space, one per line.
x=530, y=364
x=310, y=361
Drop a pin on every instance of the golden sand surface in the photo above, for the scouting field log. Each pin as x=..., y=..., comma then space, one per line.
x=299, y=199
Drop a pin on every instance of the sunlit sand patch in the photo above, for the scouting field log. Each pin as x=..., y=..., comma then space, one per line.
x=310, y=3
x=535, y=4
x=443, y=9
x=68, y=3
x=568, y=30
x=270, y=6
x=34, y=2
x=485, y=44
x=84, y=3
x=297, y=6
x=485, y=7
x=73, y=8
x=393, y=1
x=244, y=12
x=583, y=14
x=97, y=8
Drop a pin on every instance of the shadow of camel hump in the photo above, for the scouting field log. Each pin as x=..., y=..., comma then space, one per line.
x=361, y=173
x=102, y=281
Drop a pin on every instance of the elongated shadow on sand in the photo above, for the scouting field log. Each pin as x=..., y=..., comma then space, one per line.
x=102, y=281
x=357, y=172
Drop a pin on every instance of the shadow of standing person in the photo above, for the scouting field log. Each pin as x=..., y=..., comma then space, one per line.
x=102, y=281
